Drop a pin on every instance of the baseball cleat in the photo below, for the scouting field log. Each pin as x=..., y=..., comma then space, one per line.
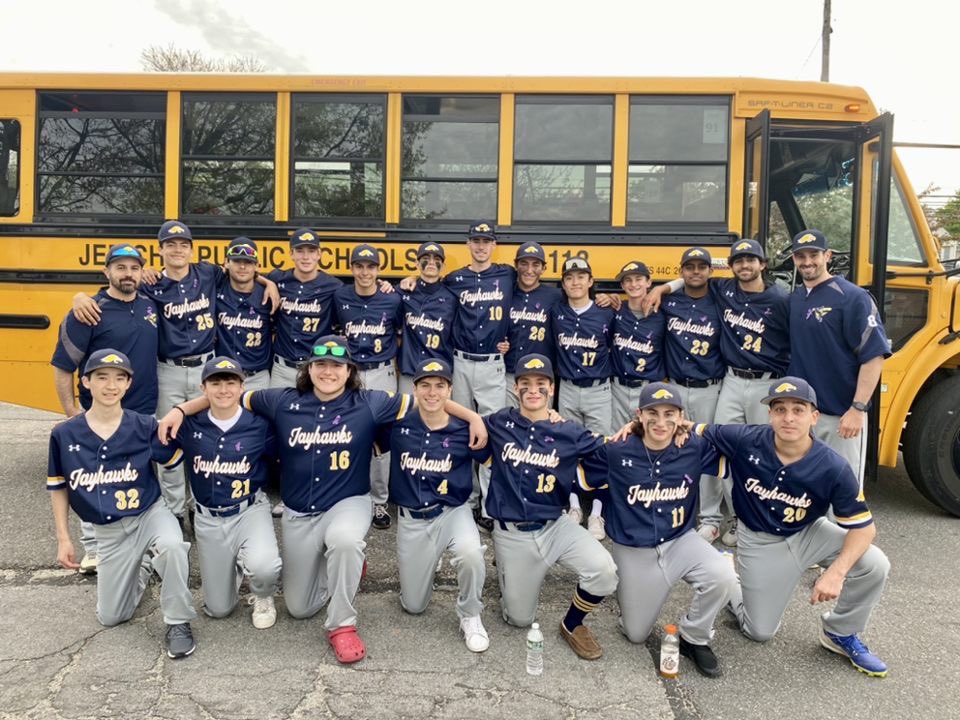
x=710, y=533
x=852, y=648
x=474, y=634
x=597, y=527
x=88, y=566
x=381, y=517
x=180, y=640
x=702, y=656
x=264, y=612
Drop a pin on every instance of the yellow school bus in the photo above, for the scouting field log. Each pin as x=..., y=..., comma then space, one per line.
x=608, y=168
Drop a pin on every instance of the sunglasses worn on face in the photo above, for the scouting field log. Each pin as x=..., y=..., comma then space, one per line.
x=241, y=251
x=335, y=350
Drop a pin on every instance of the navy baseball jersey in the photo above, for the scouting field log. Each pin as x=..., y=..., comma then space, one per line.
x=583, y=341
x=244, y=326
x=535, y=465
x=637, y=352
x=187, y=309
x=108, y=479
x=653, y=493
x=483, y=307
x=131, y=328
x=428, y=312
x=370, y=323
x=692, y=345
x=754, y=327
x=529, y=330
x=305, y=314
x=834, y=329
x=226, y=468
x=325, y=445
x=431, y=467
x=779, y=499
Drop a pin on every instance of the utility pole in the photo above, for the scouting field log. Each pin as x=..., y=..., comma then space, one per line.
x=825, y=44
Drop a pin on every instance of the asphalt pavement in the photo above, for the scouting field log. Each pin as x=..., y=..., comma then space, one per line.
x=56, y=661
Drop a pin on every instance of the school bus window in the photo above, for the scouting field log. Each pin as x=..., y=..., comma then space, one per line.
x=227, y=154
x=338, y=155
x=903, y=242
x=678, y=152
x=9, y=167
x=100, y=153
x=450, y=157
x=563, y=149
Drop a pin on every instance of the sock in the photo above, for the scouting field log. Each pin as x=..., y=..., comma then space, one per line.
x=574, y=501
x=597, y=508
x=583, y=603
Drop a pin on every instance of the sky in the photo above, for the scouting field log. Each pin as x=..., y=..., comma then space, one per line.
x=900, y=56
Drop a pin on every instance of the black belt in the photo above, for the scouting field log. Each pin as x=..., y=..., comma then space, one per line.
x=755, y=374
x=475, y=357
x=189, y=360
x=524, y=526
x=697, y=383
x=289, y=363
x=229, y=511
x=373, y=365
x=588, y=382
x=632, y=382
x=427, y=514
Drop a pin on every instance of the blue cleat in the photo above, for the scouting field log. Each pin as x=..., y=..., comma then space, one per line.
x=852, y=648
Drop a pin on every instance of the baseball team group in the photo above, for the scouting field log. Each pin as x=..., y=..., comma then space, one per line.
x=669, y=418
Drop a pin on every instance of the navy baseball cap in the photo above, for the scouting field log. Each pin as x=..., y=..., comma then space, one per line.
x=434, y=367
x=634, y=267
x=431, y=248
x=482, y=229
x=808, y=240
x=304, y=236
x=365, y=254
x=660, y=393
x=174, y=230
x=576, y=264
x=123, y=251
x=791, y=387
x=108, y=358
x=696, y=253
x=331, y=347
x=222, y=365
x=746, y=247
x=243, y=249
x=531, y=250
x=534, y=364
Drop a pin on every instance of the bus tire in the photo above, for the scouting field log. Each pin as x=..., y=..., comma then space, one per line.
x=931, y=445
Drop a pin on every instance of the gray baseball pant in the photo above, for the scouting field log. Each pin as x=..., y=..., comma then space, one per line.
x=853, y=450
x=405, y=384
x=381, y=378
x=523, y=559
x=282, y=376
x=230, y=548
x=175, y=385
x=589, y=406
x=88, y=537
x=129, y=550
x=420, y=543
x=323, y=560
x=626, y=400
x=479, y=385
x=260, y=380
x=511, y=398
x=648, y=574
x=700, y=405
x=770, y=566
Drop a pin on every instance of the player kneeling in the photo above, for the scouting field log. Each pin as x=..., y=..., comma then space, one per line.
x=653, y=490
x=431, y=480
x=101, y=464
x=224, y=449
x=784, y=482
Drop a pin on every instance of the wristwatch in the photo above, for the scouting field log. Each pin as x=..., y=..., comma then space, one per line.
x=862, y=407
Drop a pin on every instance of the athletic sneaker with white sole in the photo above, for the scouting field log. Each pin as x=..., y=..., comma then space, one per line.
x=474, y=634
x=597, y=526
x=88, y=566
x=710, y=533
x=264, y=612
x=180, y=640
x=852, y=648
x=730, y=536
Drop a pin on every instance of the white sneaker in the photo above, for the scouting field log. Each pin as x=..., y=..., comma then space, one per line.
x=278, y=509
x=474, y=634
x=710, y=533
x=264, y=612
x=730, y=536
x=597, y=526
x=575, y=514
x=88, y=566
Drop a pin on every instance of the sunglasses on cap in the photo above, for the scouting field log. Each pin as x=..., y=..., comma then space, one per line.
x=241, y=251
x=125, y=252
x=335, y=350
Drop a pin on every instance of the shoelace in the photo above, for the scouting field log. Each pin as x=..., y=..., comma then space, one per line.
x=178, y=631
x=380, y=511
x=473, y=626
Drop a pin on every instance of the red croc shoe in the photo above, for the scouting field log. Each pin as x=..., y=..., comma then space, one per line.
x=346, y=644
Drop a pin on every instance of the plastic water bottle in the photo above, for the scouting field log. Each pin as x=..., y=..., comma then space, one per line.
x=670, y=652
x=535, y=650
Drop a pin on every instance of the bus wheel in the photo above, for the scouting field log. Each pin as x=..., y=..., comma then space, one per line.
x=931, y=445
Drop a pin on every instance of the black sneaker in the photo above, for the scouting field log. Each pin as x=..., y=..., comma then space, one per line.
x=702, y=657
x=381, y=517
x=180, y=640
x=484, y=523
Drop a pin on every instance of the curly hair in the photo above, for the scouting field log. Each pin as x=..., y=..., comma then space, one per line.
x=305, y=384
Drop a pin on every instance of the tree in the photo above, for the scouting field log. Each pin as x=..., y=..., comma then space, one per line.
x=948, y=216
x=170, y=58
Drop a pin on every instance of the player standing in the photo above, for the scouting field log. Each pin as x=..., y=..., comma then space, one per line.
x=101, y=465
